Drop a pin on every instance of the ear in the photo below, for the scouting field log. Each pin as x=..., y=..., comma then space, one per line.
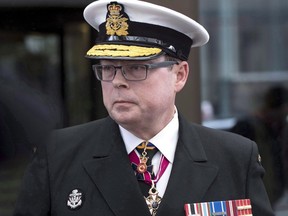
x=181, y=75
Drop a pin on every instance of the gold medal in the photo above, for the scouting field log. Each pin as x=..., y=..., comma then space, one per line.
x=142, y=166
x=153, y=200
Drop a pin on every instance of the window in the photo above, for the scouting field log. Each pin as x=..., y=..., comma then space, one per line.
x=246, y=55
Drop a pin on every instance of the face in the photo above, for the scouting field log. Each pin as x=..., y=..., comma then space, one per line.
x=144, y=107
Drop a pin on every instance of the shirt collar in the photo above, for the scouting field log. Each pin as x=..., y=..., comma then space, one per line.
x=168, y=136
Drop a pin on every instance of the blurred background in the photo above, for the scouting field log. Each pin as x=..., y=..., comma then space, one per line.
x=239, y=80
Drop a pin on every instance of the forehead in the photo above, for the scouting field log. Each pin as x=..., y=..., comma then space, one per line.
x=123, y=62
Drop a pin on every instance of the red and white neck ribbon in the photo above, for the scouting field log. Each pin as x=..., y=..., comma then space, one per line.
x=147, y=176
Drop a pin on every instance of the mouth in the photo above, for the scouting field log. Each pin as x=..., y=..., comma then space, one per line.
x=122, y=102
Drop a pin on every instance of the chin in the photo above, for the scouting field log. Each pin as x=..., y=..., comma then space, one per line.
x=122, y=117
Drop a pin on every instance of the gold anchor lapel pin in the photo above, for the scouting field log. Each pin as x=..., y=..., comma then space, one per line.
x=75, y=199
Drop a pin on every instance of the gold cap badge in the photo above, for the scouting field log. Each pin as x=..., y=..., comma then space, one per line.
x=116, y=22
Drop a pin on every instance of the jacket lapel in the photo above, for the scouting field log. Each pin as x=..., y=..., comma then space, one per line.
x=112, y=174
x=191, y=174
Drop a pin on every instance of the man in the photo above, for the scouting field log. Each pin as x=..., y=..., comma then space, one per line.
x=266, y=126
x=92, y=169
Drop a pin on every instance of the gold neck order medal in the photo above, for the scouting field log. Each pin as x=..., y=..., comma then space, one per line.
x=142, y=166
x=153, y=200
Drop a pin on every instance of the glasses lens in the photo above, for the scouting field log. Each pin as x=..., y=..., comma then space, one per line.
x=135, y=72
x=104, y=72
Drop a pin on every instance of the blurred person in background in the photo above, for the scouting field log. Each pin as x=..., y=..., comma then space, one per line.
x=26, y=119
x=266, y=128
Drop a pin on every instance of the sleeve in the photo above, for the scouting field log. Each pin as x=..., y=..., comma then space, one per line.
x=255, y=188
x=34, y=195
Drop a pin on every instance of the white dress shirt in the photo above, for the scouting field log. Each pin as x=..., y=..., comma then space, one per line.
x=165, y=141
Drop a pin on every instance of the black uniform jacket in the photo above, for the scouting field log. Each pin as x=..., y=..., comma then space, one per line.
x=209, y=165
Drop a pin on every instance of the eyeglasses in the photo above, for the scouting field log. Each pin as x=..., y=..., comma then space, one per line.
x=131, y=72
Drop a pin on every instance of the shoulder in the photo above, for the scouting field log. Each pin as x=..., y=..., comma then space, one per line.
x=228, y=151
x=218, y=144
x=82, y=137
x=85, y=128
x=82, y=131
x=213, y=136
x=219, y=136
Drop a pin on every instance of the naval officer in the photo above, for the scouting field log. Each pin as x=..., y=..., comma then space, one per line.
x=144, y=158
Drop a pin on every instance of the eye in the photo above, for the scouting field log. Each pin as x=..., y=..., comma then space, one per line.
x=135, y=68
x=108, y=68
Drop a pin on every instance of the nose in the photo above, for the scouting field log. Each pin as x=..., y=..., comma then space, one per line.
x=119, y=79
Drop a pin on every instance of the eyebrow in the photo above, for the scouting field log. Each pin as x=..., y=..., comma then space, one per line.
x=114, y=62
